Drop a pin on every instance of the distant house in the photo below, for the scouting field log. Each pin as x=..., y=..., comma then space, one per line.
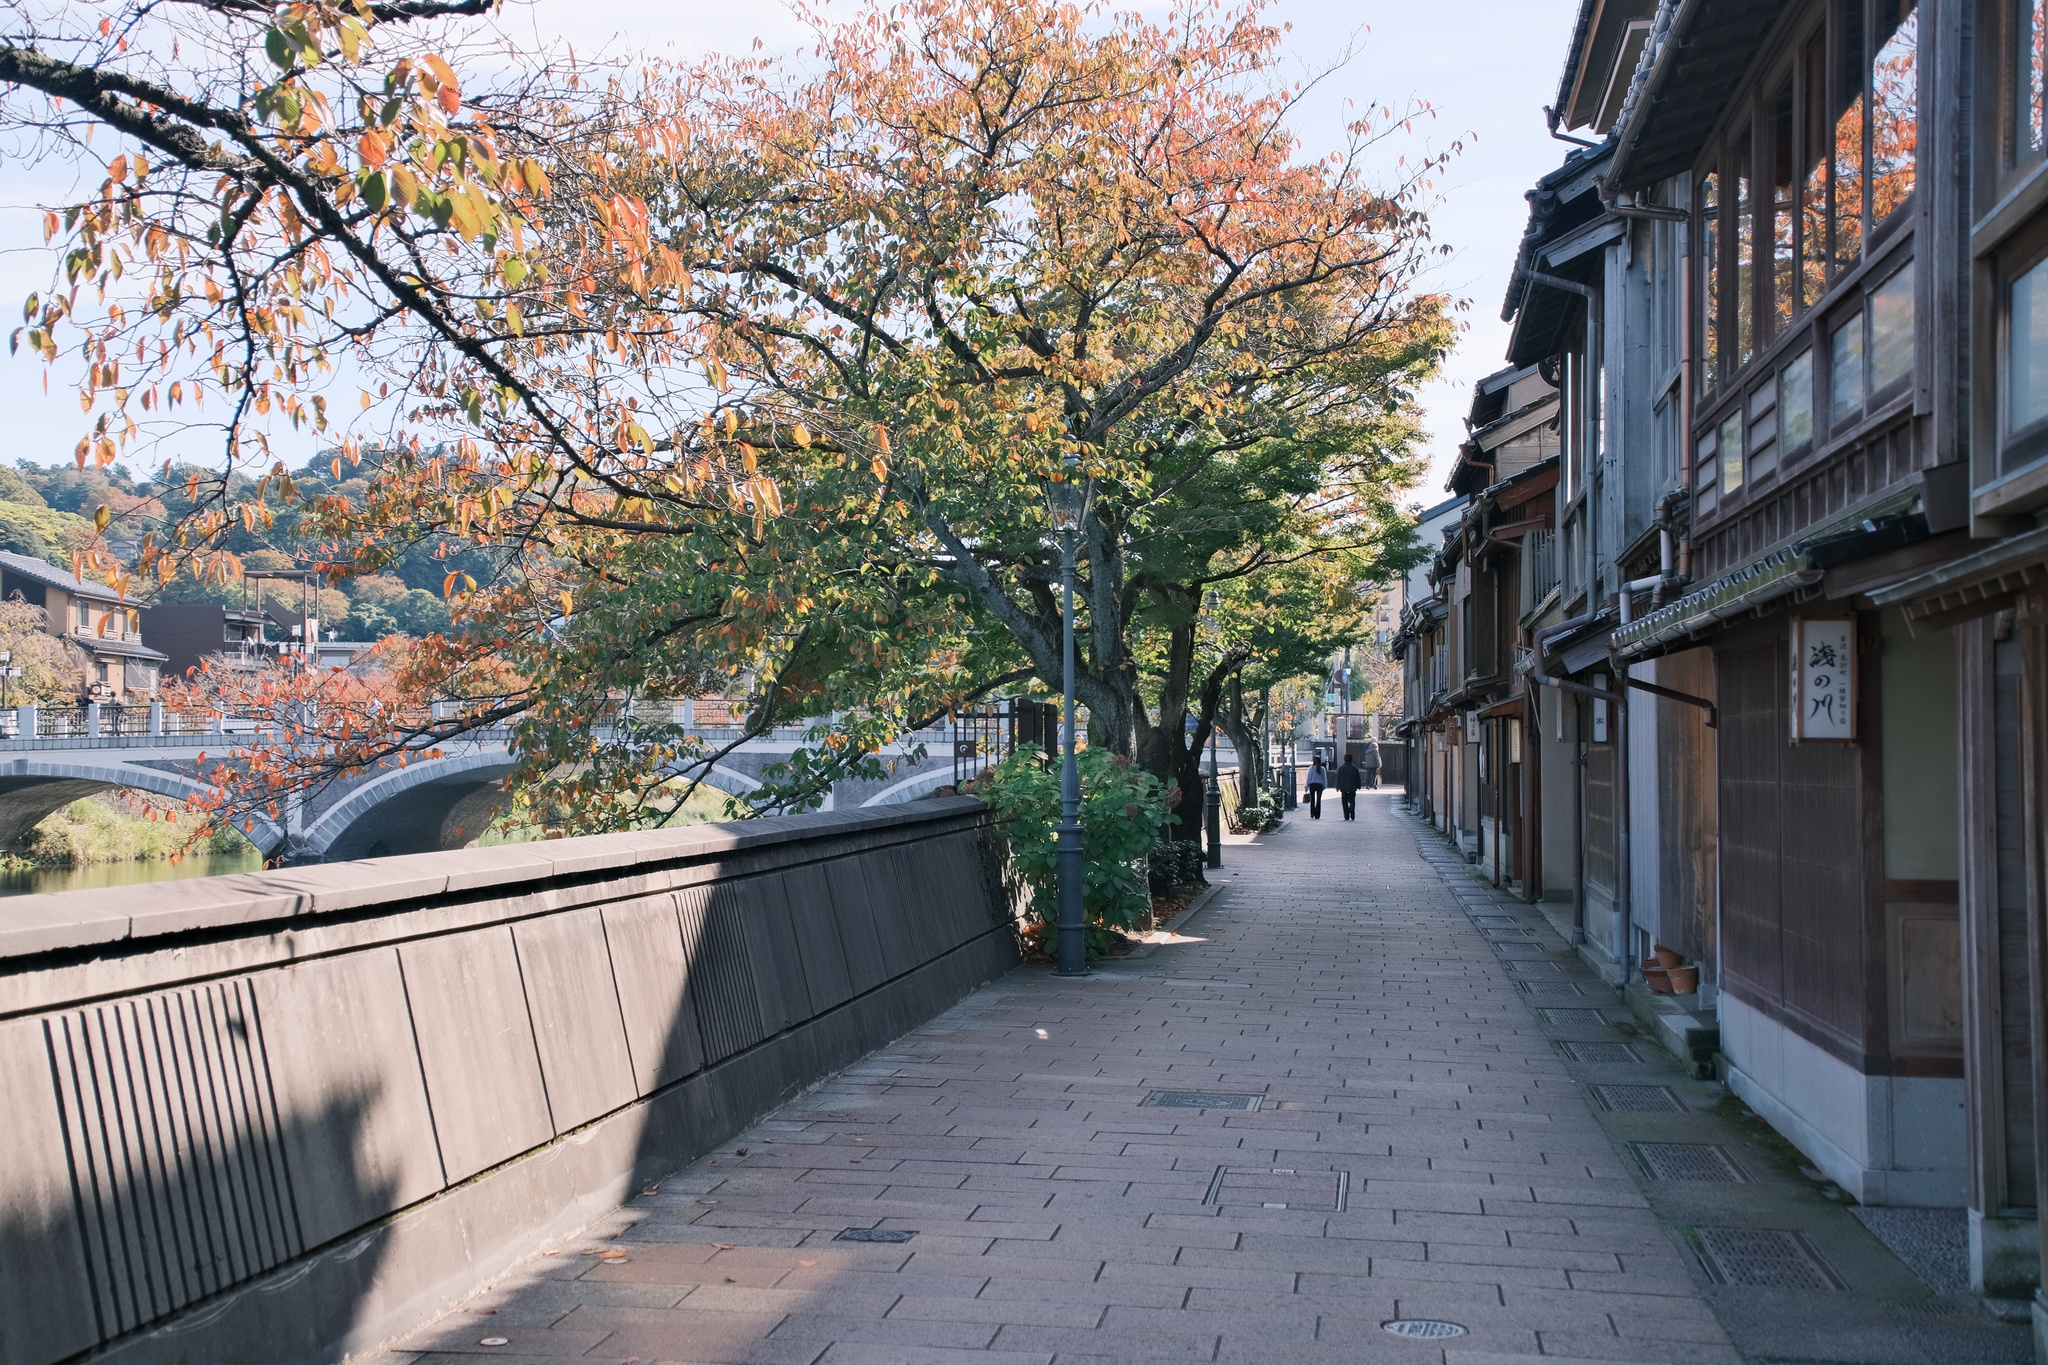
x=188, y=632
x=119, y=667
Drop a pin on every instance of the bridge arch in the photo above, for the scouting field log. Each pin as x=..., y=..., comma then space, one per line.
x=430, y=806
x=33, y=787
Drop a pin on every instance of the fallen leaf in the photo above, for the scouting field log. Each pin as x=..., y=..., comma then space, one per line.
x=767, y=1139
x=806, y=1262
x=729, y=1280
x=741, y=1152
x=723, y=1246
x=485, y=1312
x=612, y=1256
x=551, y=1253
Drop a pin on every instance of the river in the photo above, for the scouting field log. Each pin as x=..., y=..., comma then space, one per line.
x=94, y=876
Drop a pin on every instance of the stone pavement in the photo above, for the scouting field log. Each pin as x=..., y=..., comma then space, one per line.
x=1420, y=1150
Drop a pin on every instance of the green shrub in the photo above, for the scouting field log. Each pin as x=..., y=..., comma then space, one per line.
x=1175, y=863
x=1122, y=807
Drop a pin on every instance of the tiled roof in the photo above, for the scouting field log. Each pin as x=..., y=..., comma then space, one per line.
x=42, y=571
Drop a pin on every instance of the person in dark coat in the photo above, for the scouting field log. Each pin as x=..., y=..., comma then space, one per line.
x=1349, y=780
x=1318, y=778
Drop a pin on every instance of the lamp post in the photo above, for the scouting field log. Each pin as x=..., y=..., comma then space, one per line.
x=1067, y=495
x=1213, y=801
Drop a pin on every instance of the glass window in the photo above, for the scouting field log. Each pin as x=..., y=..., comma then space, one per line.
x=1894, y=104
x=2026, y=349
x=1891, y=330
x=84, y=614
x=1781, y=229
x=1795, y=402
x=1813, y=180
x=1710, y=253
x=2031, y=79
x=1845, y=371
x=1847, y=213
x=1731, y=451
x=1744, y=283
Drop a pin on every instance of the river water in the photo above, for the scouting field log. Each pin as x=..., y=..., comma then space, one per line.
x=94, y=876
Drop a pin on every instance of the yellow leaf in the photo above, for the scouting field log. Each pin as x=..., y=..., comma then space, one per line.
x=568, y=603
x=802, y=437
x=101, y=516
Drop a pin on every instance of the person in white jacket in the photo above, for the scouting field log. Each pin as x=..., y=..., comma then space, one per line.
x=1318, y=778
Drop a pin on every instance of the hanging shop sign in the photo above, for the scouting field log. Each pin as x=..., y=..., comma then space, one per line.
x=1823, y=680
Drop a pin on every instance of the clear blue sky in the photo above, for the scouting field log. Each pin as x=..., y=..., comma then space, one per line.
x=1489, y=66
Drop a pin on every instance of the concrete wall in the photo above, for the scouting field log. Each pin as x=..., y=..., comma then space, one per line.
x=285, y=1115
x=1884, y=1139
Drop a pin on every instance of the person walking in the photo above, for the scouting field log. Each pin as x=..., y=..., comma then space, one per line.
x=1369, y=764
x=1318, y=778
x=1349, y=779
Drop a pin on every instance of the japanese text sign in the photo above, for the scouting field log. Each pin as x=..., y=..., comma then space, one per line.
x=1823, y=680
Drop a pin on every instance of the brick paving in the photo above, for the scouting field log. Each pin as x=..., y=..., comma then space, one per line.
x=1420, y=1150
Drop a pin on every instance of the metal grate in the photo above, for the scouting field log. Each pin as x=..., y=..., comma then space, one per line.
x=1200, y=1099
x=874, y=1235
x=1600, y=1052
x=1764, y=1259
x=1689, y=1161
x=1638, y=1099
x=1549, y=988
x=1422, y=1329
x=1583, y=1017
x=1532, y=966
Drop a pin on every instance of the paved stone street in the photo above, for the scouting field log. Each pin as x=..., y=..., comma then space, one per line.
x=1421, y=1149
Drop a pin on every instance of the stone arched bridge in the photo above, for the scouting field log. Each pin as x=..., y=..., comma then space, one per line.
x=426, y=806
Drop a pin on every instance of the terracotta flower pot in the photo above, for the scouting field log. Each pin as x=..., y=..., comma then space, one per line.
x=1684, y=980
x=1667, y=958
x=1658, y=979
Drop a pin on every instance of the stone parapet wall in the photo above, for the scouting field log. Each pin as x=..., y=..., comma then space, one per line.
x=281, y=1116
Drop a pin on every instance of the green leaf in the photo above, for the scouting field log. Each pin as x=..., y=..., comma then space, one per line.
x=278, y=47
x=376, y=192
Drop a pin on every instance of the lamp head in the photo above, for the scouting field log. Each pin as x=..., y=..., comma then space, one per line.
x=1068, y=495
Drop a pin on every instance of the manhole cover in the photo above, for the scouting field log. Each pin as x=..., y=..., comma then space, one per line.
x=1764, y=1259
x=1550, y=988
x=1585, y=1017
x=1638, y=1099
x=1688, y=1161
x=1280, y=1187
x=1422, y=1329
x=1600, y=1052
x=1200, y=1099
x=874, y=1235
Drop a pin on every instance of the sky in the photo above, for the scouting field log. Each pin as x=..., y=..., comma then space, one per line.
x=1487, y=66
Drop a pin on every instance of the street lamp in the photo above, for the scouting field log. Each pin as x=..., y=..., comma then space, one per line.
x=1067, y=496
x=1214, y=799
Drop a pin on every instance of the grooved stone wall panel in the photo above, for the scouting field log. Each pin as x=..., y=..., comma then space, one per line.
x=762, y=905
x=175, y=1149
x=892, y=890
x=865, y=968
x=577, y=1028
x=721, y=982
x=817, y=938
x=476, y=1048
x=46, y=1304
x=653, y=976
x=358, y=1134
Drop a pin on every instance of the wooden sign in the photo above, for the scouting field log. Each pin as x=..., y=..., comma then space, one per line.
x=1823, y=680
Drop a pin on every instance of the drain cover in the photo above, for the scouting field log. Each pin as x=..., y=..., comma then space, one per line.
x=1600, y=1052
x=1550, y=988
x=1422, y=1329
x=1586, y=1017
x=1688, y=1161
x=1638, y=1099
x=874, y=1235
x=1770, y=1260
x=1200, y=1099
